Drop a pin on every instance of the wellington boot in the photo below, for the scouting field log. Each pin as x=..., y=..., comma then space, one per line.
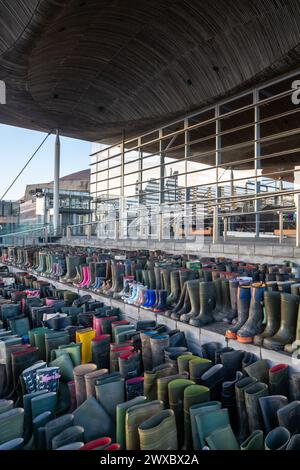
x=194, y=296
x=233, y=289
x=72, y=446
x=134, y=388
x=86, y=337
x=130, y=364
x=161, y=306
x=259, y=370
x=222, y=438
x=176, y=397
x=183, y=362
x=198, y=409
x=240, y=388
x=146, y=348
x=229, y=313
x=197, y=367
x=209, y=422
x=54, y=339
x=253, y=325
x=97, y=444
x=56, y=426
x=115, y=353
x=95, y=421
x=228, y=399
x=151, y=377
x=232, y=363
x=193, y=395
x=120, y=418
x=185, y=306
x=65, y=365
x=6, y=405
x=207, y=303
x=294, y=443
x=110, y=393
x=68, y=436
x=73, y=349
x=277, y=439
x=294, y=389
x=269, y=406
x=287, y=331
x=90, y=381
x=221, y=351
x=279, y=380
x=159, y=432
x=14, y=444
x=289, y=417
x=252, y=395
x=254, y=442
x=162, y=387
x=295, y=346
x=218, y=310
x=171, y=354
x=209, y=350
x=174, y=295
x=11, y=424
x=135, y=416
x=44, y=402
x=272, y=312
x=243, y=305
x=213, y=379
x=158, y=343
x=80, y=386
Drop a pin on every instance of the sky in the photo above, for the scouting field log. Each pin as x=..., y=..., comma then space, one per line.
x=16, y=147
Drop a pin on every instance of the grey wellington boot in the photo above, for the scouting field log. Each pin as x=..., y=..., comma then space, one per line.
x=277, y=439
x=252, y=395
x=294, y=443
x=230, y=314
x=240, y=388
x=272, y=313
x=218, y=313
x=193, y=291
x=254, y=442
x=253, y=325
x=291, y=347
x=259, y=370
x=287, y=331
x=289, y=417
x=159, y=432
x=184, y=275
x=243, y=305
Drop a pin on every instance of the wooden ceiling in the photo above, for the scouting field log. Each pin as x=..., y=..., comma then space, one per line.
x=93, y=68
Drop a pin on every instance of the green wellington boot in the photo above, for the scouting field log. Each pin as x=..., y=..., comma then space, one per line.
x=162, y=387
x=222, y=438
x=198, y=409
x=277, y=439
x=120, y=418
x=207, y=301
x=193, y=395
x=193, y=292
x=254, y=442
x=183, y=363
x=287, y=331
x=176, y=397
x=65, y=364
x=135, y=416
x=158, y=343
x=151, y=377
x=273, y=315
x=74, y=349
x=259, y=370
x=159, y=432
x=252, y=395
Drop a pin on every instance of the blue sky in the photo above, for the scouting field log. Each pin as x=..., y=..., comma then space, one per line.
x=17, y=145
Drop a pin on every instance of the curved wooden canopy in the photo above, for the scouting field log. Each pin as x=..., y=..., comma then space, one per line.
x=93, y=68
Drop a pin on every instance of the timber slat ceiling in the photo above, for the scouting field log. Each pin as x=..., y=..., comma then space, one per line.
x=96, y=67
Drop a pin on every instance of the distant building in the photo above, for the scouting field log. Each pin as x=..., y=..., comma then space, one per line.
x=9, y=216
x=36, y=208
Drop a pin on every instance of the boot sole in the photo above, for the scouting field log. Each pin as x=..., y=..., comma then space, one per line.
x=248, y=339
x=230, y=335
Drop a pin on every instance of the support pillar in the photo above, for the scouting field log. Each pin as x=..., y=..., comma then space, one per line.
x=56, y=184
x=257, y=161
x=280, y=226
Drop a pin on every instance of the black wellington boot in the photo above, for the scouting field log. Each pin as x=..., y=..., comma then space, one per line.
x=253, y=325
x=240, y=388
x=279, y=380
x=269, y=406
x=289, y=417
x=243, y=305
x=287, y=331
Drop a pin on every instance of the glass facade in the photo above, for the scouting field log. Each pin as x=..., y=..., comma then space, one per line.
x=239, y=159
